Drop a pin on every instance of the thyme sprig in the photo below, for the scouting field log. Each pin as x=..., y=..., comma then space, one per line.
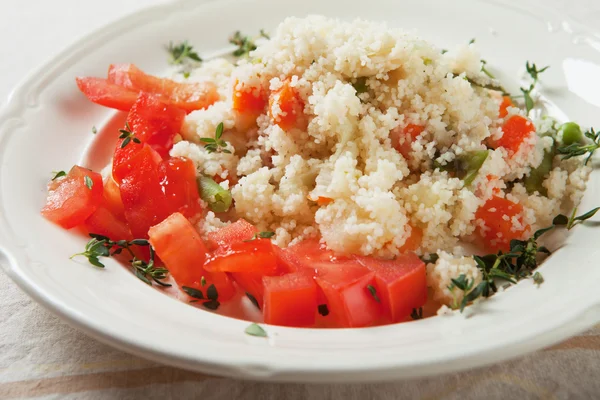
x=211, y=297
x=571, y=221
x=577, y=149
x=534, y=73
x=261, y=235
x=182, y=53
x=128, y=136
x=245, y=43
x=58, y=174
x=216, y=144
x=102, y=246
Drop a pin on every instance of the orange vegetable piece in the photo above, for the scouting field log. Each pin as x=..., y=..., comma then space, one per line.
x=286, y=108
x=506, y=102
x=498, y=228
x=516, y=129
x=249, y=102
x=414, y=240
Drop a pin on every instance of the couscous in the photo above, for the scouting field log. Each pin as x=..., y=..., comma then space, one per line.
x=339, y=174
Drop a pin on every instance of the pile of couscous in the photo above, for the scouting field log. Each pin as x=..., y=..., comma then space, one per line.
x=339, y=174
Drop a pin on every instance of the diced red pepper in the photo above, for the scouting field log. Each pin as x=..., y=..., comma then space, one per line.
x=107, y=94
x=503, y=221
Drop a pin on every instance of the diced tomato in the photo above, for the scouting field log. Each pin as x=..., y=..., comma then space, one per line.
x=143, y=198
x=498, y=214
x=414, y=240
x=286, y=108
x=112, y=198
x=290, y=300
x=401, y=283
x=506, y=102
x=107, y=94
x=346, y=287
x=178, y=179
x=179, y=246
x=104, y=222
x=256, y=256
x=516, y=129
x=250, y=283
x=75, y=198
x=187, y=96
x=308, y=254
x=248, y=102
x=238, y=231
x=403, y=137
x=154, y=122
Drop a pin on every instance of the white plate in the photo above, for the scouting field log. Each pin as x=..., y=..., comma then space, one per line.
x=46, y=126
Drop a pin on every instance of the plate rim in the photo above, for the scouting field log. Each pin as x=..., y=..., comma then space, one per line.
x=17, y=105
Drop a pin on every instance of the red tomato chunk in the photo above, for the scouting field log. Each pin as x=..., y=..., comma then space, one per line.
x=180, y=247
x=155, y=123
x=290, y=300
x=104, y=222
x=256, y=256
x=187, y=96
x=345, y=285
x=101, y=91
x=401, y=283
x=74, y=198
x=236, y=232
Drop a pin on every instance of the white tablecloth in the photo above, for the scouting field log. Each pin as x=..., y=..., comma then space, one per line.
x=41, y=357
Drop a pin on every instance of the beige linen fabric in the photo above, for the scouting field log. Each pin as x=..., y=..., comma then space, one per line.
x=43, y=358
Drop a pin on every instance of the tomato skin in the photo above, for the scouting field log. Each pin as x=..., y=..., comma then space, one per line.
x=349, y=301
x=141, y=191
x=290, y=300
x=506, y=102
x=516, y=129
x=186, y=96
x=72, y=201
x=105, y=93
x=256, y=256
x=104, y=222
x=155, y=123
x=179, y=246
x=492, y=214
x=401, y=283
x=178, y=179
x=237, y=231
x=403, y=137
x=286, y=108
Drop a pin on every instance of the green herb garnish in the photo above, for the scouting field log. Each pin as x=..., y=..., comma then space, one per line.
x=218, y=199
x=373, y=292
x=570, y=222
x=94, y=130
x=216, y=144
x=127, y=136
x=244, y=43
x=255, y=330
x=576, y=149
x=261, y=235
x=487, y=85
x=58, y=174
x=195, y=293
x=182, y=52
x=534, y=73
x=430, y=258
x=88, y=182
x=323, y=309
x=203, y=281
x=417, y=313
x=264, y=34
x=538, y=279
x=102, y=246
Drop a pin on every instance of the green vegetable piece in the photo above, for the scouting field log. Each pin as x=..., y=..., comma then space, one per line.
x=360, y=85
x=533, y=182
x=256, y=330
x=571, y=133
x=218, y=199
x=467, y=165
